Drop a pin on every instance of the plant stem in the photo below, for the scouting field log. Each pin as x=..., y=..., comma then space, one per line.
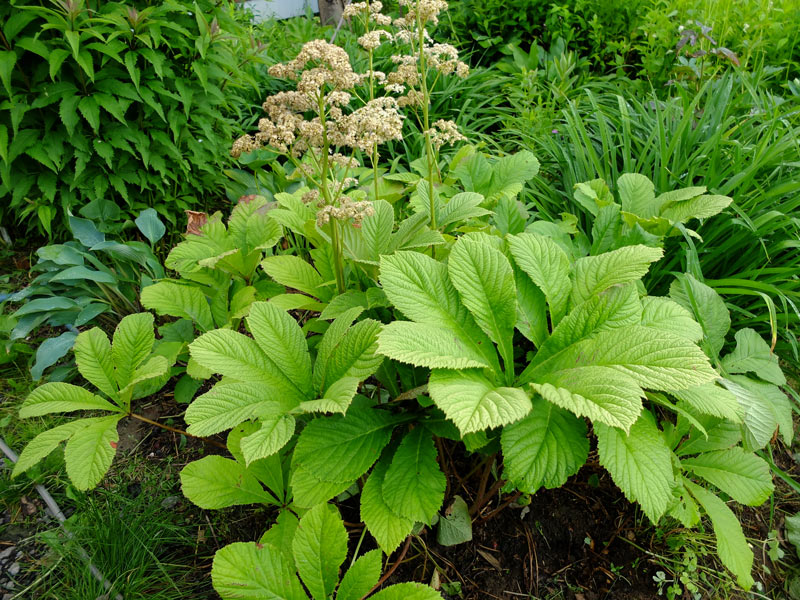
x=423, y=82
x=338, y=267
x=175, y=430
x=393, y=569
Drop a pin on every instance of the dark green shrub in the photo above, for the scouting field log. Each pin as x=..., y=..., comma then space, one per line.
x=133, y=102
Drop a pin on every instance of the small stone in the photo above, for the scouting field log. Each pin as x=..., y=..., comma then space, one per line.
x=169, y=502
x=7, y=552
x=13, y=569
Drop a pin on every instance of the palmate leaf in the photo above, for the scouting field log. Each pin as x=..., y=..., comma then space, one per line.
x=319, y=548
x=473, y=402
x=342, y=448
x=548, y=267
x=386, y=527
x=414, y=485
x=428, y=345
x=666, y=315
x=217, y=482
x=90, y=451
x=250, y=571
x=484, y=279
x=420, y=288
x=274, y=434
x=732, y=546
x=743, y=476
x=712, y=399
x=544, y=448
x=356, y=354
x=640, y=464
x=765, y=407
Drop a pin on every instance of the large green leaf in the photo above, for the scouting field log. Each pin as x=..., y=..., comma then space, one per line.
x=593, y=274
x=473, y=402
x=319, y=548
x=407, y=591
x=93, y=356
x=240, y=358
x=531, y=309
x=178, y=300
x=228, y=404
x=217, y=482
x=765, y=407
x=732, y=546
x=414, y=485
x=485, y=280
x=547, y=265
x=355, y=355
x=308, y=490
x=743, y=476
x=44, y=443
x=544, y=448
x=753, y=355
x=90, y=451
x=283, y=344
x=640, y=464
x=360, y=577
x=61, y=397
x=274, y=434
x=251, y=228
x=711, y=399
x=707, y=307
x=342, y=448
x=250, y=571
x=387, y=528
x=420, y=288
x=637, y=195
x=133, y=342
x=700, y=207
x=293, y=272
x=664, y=314
x=428, y=345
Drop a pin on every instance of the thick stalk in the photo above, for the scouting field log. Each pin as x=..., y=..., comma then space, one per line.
x=338, y=267
x=175, y=430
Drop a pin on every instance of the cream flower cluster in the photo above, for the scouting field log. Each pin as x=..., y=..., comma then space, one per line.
x=445, y=132
x=347, y=209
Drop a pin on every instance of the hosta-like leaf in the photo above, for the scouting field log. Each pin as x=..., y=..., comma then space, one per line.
x=386, y=527
x=485, y=280
x=752, y=355
x=414, y=485
x=93, y=356
x=44, y=443
x=319, y=548
x=283, y=344
x=743, y=476
x=133, y=342
x=90, y=451
x=593, y=274
x=732, y=546
x=61, y=397
x=544, y=448
x=766, y=408
x=474, y=403
x=361, y=577
x=217, y=482
x=250, y=571
x=275, y=432
x=178, y=300
x=640, y=464
x=228, y=404
x=420, y=288
x=547, y=265
x=666, y=315
x=342, y=448
x=707, y=306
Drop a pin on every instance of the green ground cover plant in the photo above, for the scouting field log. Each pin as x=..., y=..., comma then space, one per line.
x=82, y=83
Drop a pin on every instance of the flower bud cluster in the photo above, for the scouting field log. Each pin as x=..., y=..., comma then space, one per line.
x=347, y=209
